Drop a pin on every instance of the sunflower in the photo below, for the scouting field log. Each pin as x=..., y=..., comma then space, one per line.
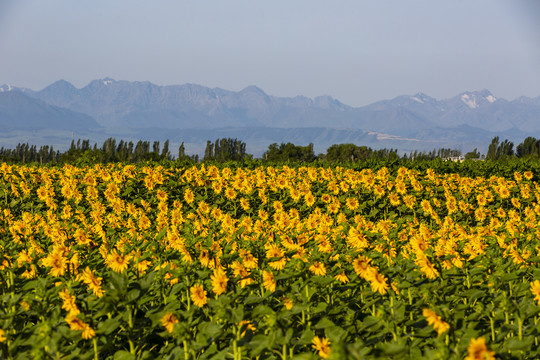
x=117, y=262
x=362, y=267
x=246, y=325
x=309, y=199
x=2, y=336
x=93, y=282
x=198, y=295
x=322, y=346
x=57, y=262
x=426, y=206
x=478, y=350
x=451, y=205
x=288, y=303
x=217, y=187
x=88, y=332
x=188, y=196
x=394, y=199
x=503, y=191
x=219, y=281
x=378, y=190
x=433, y=319
x=535, y=289
x=378, y=283
x=409, y=201
x=342, y=278
x=168, y=320
x=244, y=203
x=230, y=193
x=318, y=268
x=74, y=322
x=480, y=214
x=427, y=267
x=268, y=281
x=68, y=302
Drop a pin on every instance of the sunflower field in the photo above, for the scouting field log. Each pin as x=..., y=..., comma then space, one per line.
x=267, y=262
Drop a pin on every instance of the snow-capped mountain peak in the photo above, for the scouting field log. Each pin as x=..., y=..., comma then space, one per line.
x=469, y=100
x=417, y=99
x=477, y=99
x=491, y=98
x=6, y=88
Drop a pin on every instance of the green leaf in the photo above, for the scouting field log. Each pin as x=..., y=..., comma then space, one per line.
x=393, y=348
x=123, y=355
x=108, y=326
x=324, y=323
x=514, y=343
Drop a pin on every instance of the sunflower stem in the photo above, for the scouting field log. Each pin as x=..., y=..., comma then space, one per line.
x=96, y=357
x=492, y=325
x=186, y=354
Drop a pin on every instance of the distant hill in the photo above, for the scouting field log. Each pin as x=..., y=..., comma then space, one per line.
x=408, y=122
x=21, y=112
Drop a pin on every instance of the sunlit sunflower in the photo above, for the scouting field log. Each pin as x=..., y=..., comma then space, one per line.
x=245, y=204
x=535, y=289
x=322, y=345
x=318, y=268
x=68, y=302
x=379, y=284
x=427, y=267
x=478, y=350
x=198, y=295
x=57, y=262
x=219, y=281
x=362, y=267
x=342, y=278
x=435, y=320
x=2, y=335
x=230, y=193
x=409, y=201
x=309, y=199
x=88, y=332
x=426, y=206
x=117, y=262
x=268, y=281
x=93, y=282
x=188, y=196
x=352, y=203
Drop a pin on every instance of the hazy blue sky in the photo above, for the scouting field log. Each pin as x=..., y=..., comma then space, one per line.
x=356, y=51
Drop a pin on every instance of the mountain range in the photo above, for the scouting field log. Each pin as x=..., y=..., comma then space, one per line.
x=194, y=113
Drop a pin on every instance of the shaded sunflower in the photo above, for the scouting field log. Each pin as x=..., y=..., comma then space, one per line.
x=168, y=320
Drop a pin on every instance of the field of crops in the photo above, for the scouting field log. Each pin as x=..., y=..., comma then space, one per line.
x=206, y=262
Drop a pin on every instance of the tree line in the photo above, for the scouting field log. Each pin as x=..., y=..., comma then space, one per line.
x=229, y=149
x=529, y=148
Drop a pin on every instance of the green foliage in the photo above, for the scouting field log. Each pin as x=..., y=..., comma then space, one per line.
x=289, y=152
x=529, y=148
x=352, y=152
x=225, y=150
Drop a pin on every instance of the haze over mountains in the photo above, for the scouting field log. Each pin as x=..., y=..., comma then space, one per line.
x=194, y=114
